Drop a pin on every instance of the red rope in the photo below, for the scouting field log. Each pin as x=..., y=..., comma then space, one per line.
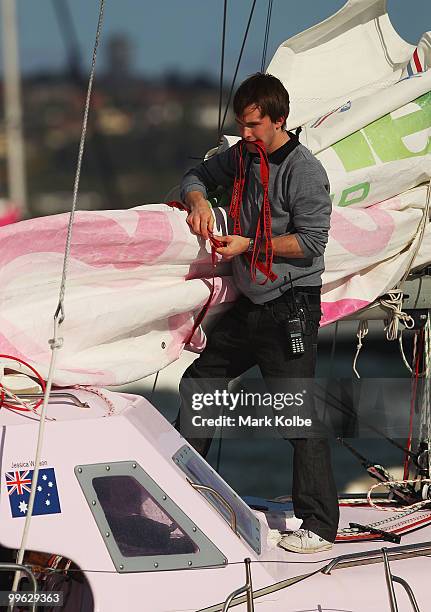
x=39, y=378
x=238, y=189
x=263, y=230
x=215, y=244
x=412, y=404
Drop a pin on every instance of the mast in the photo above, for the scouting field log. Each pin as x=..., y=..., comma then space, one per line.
x=13, y=114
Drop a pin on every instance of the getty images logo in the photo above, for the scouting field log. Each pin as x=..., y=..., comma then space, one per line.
x=231, y=401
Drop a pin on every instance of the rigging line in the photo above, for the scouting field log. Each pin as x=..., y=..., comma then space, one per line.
x=154, y=385
x=71, y=570
x=60, y=309
x=427, y=391
x=223, y=44
x=353, y=450
x=332, y=357
x=218, y=462
x=237, y=66
x=333, y=347
x=425, y=397
x=265, y=41
x=377, y=471
x=347, y=411
x=402, y=489
x=413, y=401
x=56, y=343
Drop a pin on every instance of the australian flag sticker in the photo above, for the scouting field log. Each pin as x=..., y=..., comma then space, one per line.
x=46, y=500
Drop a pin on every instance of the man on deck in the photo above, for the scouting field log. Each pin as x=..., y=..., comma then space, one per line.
x=281, y=212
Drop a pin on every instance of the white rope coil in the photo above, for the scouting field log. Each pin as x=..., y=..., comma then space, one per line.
x=360, y=334
x=394, y=302
x=390, y=483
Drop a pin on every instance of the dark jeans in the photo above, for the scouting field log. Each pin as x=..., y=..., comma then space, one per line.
x=251, y=334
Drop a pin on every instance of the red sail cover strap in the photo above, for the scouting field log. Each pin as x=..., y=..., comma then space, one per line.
x=263, y=230
x=215, y=244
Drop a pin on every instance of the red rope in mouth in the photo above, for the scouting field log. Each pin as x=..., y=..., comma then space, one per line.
x=263, y=229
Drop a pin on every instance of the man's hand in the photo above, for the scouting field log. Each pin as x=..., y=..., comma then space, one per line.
x=200, y=217
x=235, y=245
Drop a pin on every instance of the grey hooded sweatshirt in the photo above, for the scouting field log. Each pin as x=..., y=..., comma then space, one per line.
x=300, y=204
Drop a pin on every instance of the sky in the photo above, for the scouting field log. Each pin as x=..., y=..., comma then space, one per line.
x=185, y=35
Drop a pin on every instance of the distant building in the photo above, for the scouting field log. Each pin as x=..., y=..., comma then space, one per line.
x=119, y=58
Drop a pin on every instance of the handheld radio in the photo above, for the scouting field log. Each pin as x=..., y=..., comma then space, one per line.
x=294, y=327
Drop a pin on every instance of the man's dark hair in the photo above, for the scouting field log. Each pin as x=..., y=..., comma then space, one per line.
x=266, y=92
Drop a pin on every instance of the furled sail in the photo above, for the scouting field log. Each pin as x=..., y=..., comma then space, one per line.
x=135, y=278
x=363, y=98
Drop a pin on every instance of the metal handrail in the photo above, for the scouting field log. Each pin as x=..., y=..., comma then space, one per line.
x=247, y=588
x=390, y=579
x=70, y=396
x=375, y=556
x=389, y=583
x=409, y=591
x=16, y=567
x=217, y=495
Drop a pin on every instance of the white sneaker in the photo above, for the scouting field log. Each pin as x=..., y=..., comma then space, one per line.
x=304, y=541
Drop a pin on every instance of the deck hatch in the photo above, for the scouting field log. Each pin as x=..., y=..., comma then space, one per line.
x=143, y=529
